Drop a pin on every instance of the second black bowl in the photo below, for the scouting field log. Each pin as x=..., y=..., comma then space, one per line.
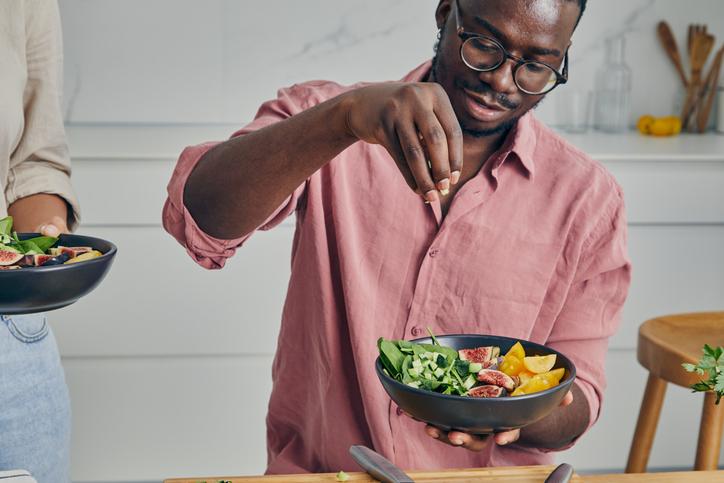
x=38, y=289
x=480, y=415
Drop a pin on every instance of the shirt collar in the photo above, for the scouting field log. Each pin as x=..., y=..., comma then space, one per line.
x=521, y=140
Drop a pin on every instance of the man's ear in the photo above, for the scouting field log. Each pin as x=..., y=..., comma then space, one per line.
x=442, y=12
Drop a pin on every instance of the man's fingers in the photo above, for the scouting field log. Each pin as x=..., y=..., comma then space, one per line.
x=435, y=144
x=415, y=156
x=507, y=437
x=395, y=150
x=454, y=135
x=468, y=441
x=458, y=439
x=567, y=399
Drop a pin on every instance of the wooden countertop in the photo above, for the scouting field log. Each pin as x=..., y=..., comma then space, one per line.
x=519, y=474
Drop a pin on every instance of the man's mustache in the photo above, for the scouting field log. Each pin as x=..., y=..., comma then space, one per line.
x=487, y=91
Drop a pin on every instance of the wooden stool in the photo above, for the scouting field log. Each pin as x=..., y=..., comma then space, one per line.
x=664, y=343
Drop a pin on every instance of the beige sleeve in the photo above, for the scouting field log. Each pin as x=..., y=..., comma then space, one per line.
x=41, y=161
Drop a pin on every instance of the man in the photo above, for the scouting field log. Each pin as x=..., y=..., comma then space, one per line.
x=437, y=201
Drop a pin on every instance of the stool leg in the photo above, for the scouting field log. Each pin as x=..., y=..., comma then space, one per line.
x=710, y=433
x=643, y=438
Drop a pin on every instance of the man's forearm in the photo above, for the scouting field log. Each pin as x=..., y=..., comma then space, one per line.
x=31, y=212
x=559, y=428
x=239, y=183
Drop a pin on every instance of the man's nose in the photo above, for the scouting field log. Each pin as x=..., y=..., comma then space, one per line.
x=501, y=79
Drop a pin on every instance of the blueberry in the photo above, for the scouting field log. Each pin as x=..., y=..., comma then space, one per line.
x=59, y=260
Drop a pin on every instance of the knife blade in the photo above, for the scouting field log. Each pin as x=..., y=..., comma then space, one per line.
x=378, y=466
x=561, y=474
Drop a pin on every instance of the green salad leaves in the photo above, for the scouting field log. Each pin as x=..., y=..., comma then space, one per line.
x=433, y=367
x=33, y=246
x=711, y=366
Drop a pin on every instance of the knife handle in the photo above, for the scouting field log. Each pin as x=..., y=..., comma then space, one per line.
x=378, y=466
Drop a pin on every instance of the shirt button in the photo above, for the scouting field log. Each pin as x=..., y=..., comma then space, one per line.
x=434, y=252
x=417, y=331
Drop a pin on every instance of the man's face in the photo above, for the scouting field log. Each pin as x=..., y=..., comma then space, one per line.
x=487, y=103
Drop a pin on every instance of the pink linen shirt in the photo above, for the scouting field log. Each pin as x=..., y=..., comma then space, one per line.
x=533, y=247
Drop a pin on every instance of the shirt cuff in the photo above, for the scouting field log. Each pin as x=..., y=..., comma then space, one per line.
x=32, y=178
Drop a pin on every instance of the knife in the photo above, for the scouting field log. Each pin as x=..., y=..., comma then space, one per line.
x=378, y=466
x=562, y=474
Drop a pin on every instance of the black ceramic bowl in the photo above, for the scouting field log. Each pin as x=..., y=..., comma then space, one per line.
x=38, y=289
x=480, y=415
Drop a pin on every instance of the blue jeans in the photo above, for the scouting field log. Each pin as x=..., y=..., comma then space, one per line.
x=34, y=402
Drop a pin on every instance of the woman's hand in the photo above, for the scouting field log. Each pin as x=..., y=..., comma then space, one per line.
x=43, y=213
x=53, y=227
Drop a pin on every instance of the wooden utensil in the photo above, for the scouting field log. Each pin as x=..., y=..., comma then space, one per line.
x=672, y=50
x=701, y=48
x=709, y=91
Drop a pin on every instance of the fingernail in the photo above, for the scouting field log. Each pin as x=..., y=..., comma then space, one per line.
x=456, y=442
x=51, y=230
x=444, y=186
x=431, y=196
x=455, y=177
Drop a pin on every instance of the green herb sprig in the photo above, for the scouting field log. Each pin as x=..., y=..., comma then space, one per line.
x=711, y=368
x=33, y=246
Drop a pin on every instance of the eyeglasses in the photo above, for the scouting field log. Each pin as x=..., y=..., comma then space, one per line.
x=485, y=54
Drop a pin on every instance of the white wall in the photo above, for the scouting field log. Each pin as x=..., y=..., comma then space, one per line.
x=163, y=385
x=186, y=61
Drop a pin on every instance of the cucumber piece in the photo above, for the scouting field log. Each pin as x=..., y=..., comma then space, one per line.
x=469, y=381
x=475, y=367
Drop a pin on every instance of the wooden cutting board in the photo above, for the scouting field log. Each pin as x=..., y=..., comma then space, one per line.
x=518, y=474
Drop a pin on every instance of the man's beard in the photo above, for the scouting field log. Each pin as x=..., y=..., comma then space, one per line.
x=481, y=89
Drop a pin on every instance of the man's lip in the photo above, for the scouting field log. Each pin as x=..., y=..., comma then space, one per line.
x=483, y=102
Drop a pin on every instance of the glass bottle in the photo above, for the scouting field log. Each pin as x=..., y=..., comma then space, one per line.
x=613, y=89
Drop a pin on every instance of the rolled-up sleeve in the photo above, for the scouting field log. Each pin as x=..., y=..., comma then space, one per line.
x=592, y=311
x=206, y=250
x=41, y=161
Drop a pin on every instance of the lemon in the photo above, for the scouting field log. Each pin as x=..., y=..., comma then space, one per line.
x=675, y=122
x=516, y=351
x=525, y=376
x=511, y=365
x=539, y=364
x=644, y=124
x=85, y=256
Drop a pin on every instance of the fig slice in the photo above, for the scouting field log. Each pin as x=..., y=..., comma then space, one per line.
x=496, y=378
x=480, y=355
x=486, y=391
x=9, y=257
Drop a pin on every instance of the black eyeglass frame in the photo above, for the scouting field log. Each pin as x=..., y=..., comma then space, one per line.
x=465, y=37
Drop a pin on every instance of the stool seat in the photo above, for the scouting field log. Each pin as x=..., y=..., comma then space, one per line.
x=665, y=343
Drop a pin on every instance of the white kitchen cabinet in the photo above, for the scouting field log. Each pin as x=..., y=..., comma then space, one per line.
x=169, y=364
